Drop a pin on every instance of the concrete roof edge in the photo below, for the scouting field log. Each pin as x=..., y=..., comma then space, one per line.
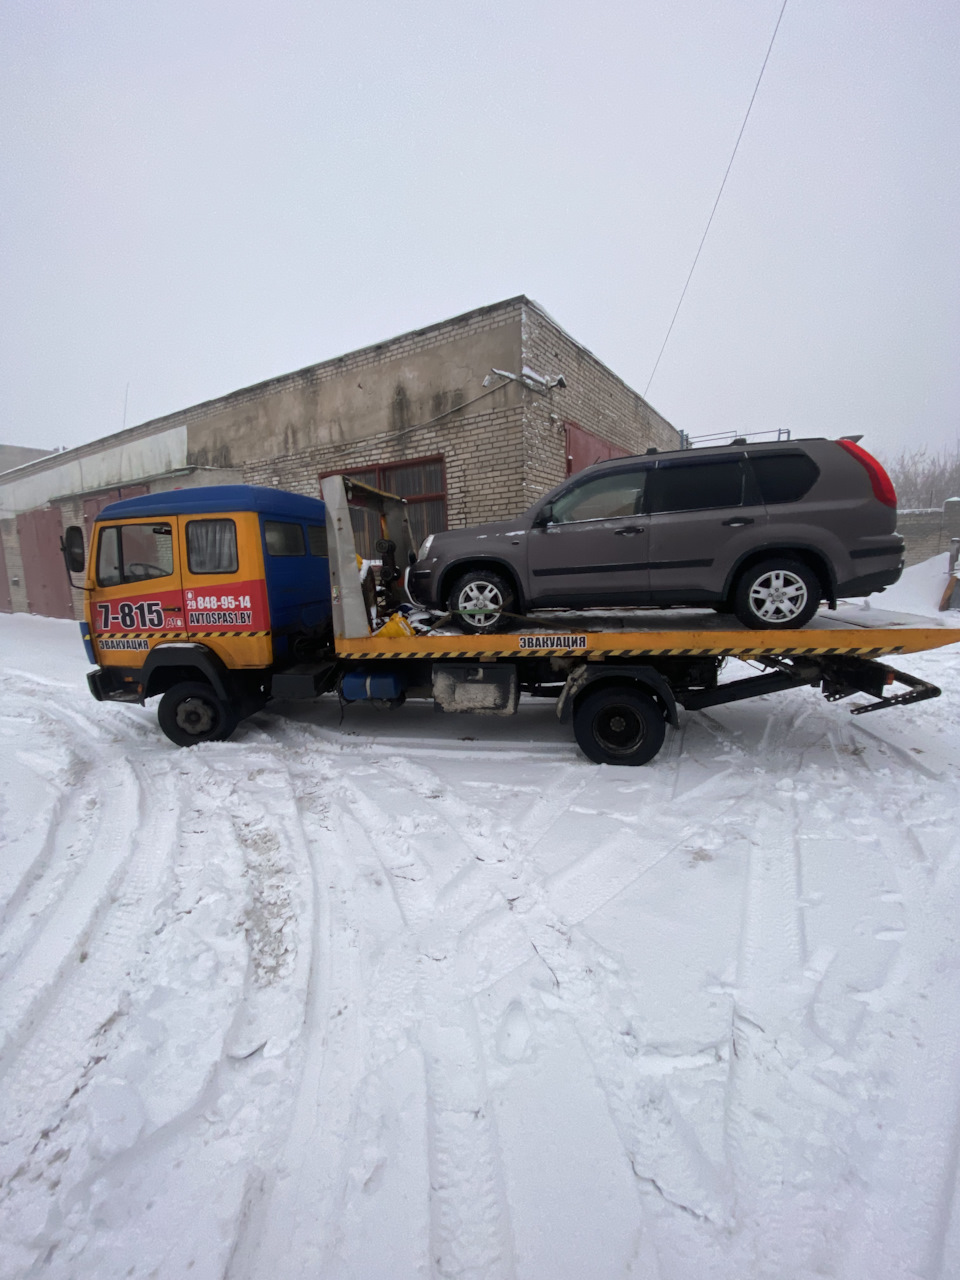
x=180, y=417
x=530, y=302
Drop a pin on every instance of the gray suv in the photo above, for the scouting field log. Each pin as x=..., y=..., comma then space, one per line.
x=765, y=531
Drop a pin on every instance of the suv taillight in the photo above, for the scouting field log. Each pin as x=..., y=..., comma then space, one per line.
x=883, y=488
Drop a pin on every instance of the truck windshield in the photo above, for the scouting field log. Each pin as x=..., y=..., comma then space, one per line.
x=134, y=553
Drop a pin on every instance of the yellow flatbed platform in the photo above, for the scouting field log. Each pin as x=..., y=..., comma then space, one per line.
x=686, y=633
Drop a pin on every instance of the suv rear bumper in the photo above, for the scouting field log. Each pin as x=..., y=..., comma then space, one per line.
x=869, y=582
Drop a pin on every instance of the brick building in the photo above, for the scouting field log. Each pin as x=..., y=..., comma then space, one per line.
x=470, y=419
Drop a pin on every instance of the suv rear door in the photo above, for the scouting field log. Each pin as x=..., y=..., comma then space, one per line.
x=703, y=514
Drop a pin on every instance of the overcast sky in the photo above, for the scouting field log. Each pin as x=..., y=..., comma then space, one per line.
x=199, y=194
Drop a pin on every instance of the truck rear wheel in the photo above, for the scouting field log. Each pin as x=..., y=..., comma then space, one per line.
x=618, y=724
x=192, y=712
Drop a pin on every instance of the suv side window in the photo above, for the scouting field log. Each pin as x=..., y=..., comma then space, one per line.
x=604, y=498
x=696, y=486
x=784, y=477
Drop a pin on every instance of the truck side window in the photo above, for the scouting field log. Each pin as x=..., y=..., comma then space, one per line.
x=134, y=553
x=108, y=558
x=212, y=546
x=283, y=539
x=317, y=537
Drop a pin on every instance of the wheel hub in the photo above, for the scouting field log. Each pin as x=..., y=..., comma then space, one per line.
x=778, y=596
x=195, y=716
x=481, y=602
x=619, y=729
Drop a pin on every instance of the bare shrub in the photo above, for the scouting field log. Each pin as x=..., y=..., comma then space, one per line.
x=923, y=479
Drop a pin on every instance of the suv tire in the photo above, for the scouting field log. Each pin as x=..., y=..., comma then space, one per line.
x=776, y=595
x=482, y=601
x=192, y=712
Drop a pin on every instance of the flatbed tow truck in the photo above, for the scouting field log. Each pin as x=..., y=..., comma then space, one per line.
x=619, y=686
x=620, y=679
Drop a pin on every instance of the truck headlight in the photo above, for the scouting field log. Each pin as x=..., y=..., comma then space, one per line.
x=425, y=547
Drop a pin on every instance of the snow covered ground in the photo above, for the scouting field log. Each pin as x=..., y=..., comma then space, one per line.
x=418, y=995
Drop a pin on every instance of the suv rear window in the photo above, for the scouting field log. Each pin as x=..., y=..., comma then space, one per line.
x=784, y=477
x=695, y=486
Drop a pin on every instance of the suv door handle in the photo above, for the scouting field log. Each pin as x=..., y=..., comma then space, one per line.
x=634, y=528
x=737, y=521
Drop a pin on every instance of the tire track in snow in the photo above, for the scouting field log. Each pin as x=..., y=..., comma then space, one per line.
x=905, y=1228
x=60, y=942
x=768, y=984
x=294, y=1230
x=470, y=1236
x=797, y=1095
x=663, y=1152
x=45, y=838
x=75, y=970
x=242, y=866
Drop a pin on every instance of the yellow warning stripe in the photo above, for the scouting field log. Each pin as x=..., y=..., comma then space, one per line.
x=174, y=635
x=854, y=641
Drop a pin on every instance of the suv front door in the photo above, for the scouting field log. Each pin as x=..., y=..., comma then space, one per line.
x=593, y=547
x=703, y=513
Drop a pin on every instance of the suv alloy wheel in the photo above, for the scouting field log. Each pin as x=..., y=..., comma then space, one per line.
x=777, y=594
x=479, y=600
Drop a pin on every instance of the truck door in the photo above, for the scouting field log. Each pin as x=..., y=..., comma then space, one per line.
x=594, y=548
x=223, y=587
x=138, y=597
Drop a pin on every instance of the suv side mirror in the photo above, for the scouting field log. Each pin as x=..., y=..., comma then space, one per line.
x=543, y=516
x=71, y=544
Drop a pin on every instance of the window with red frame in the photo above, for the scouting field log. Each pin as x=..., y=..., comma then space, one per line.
x=422, y=481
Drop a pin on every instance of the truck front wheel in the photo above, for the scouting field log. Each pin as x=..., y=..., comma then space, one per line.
x=192, y=712
x=618, y=724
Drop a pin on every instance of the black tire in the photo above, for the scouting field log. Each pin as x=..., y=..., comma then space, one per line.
x=618, y=724
x=192, y=712
x=777, y=595
x=474, y=589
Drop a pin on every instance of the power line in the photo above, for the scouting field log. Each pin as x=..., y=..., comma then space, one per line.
x=717, y=201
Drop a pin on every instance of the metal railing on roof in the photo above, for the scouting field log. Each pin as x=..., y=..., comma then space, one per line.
x=728, y=437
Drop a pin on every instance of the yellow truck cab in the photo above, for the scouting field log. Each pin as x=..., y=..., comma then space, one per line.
x=203, y=595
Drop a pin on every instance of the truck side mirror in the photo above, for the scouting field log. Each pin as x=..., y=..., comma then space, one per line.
x=71, y=544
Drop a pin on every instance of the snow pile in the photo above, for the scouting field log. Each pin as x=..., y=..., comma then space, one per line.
x=421, y=995
x=919, y=590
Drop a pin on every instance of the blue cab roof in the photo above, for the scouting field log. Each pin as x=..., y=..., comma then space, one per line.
x=217, y=497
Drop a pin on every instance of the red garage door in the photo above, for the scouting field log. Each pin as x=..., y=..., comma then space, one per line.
x=584, y=449
x=44, y=575
x=6, y=604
